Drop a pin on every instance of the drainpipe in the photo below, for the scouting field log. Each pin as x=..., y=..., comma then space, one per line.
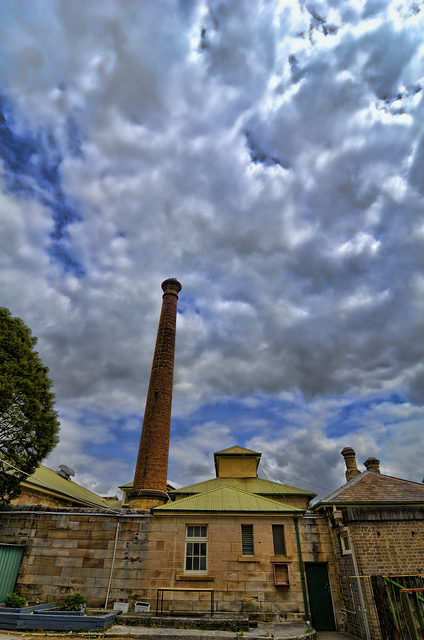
x=112, y=565
x=358, y=579
x=302, y=574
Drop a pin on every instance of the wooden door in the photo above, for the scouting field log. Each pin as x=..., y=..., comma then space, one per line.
x=319, y=592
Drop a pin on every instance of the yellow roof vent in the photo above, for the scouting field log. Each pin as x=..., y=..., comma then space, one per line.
x=237, y=462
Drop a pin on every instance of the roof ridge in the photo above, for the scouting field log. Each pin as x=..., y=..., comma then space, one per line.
x=273, y=483
x=190, y=498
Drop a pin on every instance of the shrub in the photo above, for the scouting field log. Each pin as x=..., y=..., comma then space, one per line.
x=14, y=601
x=75, y=602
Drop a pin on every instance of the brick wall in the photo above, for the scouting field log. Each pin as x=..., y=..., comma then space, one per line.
x=386, y=540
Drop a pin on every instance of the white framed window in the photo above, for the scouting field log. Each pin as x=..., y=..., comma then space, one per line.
x=196, y=549
x=247, y=546
x=345, y=544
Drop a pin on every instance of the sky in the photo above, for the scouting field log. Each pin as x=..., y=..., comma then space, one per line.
x=268, y=154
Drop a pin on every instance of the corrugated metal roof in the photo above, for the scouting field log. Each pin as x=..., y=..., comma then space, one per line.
x=227, y=498
x=46, y=479
x=251, y=485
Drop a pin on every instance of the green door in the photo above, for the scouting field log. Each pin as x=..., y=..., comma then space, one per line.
x=320, y=601
x=10, y=561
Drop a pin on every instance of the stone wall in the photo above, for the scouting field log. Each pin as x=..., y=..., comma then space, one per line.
x=72, y=550
x=32, y=496
x=241, y=583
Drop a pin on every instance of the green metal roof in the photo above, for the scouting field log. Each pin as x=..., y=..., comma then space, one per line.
x=257, y=486
x=227, y=499
x=48, y=480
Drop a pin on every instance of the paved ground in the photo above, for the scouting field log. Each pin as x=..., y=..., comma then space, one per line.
x=333, y=635
x=292, y=631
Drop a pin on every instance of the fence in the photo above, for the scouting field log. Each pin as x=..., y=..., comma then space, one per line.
x=400, y=606
x=389, y=607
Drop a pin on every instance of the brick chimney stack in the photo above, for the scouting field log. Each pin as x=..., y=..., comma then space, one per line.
x=350, y=460
x=372, y=464
x=149, y=485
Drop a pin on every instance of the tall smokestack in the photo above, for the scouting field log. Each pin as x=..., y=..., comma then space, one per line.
x=350, y=460
x=149, y=486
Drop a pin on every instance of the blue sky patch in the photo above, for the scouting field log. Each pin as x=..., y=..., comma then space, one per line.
x=32, y=169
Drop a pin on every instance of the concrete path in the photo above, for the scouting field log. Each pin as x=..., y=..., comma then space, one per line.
x=333, y=635
x=290, y=631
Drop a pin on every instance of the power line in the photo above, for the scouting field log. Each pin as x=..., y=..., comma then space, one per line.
x=276, y=478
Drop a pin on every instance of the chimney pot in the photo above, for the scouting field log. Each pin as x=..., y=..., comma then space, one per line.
x=372, y=464
x=350, y=460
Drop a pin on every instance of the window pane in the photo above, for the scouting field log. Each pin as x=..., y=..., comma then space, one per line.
x=188, y=563
x=203, y=564
x=190, y=532
x=195, y=564
x=278, y=537
x=203, y=548
x=247, y=539
x=196, y=532
x=189, y=548
x=203, y=532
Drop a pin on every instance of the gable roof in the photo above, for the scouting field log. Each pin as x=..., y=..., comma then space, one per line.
x=49, y=481
x=236, y=450
x=226, y=499
x=376, y=488
x=257, y=486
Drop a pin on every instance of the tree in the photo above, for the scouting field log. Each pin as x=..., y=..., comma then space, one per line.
x=28, y=421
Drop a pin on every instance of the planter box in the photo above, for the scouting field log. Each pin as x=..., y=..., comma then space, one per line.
x=140, y=607
x=55, y=621
x=35, y=607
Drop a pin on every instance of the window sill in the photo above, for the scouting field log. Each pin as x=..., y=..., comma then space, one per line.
x=204, y=578
x=247, y=559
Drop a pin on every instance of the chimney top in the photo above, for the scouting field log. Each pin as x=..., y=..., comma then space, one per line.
x=350, y=460
x=172, y=286
x=372, y=464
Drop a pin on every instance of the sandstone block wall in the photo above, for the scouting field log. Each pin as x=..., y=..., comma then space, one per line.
x=72, y=550
x=241, y=583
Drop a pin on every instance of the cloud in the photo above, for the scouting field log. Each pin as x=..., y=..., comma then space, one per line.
x=269, y=155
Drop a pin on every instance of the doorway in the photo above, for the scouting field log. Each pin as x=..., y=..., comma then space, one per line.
x=10, y=561
x=319, y=592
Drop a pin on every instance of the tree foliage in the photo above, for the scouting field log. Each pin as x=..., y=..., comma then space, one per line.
x=28, y=421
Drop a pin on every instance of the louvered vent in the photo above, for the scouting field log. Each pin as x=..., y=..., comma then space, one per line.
x=247, y=539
